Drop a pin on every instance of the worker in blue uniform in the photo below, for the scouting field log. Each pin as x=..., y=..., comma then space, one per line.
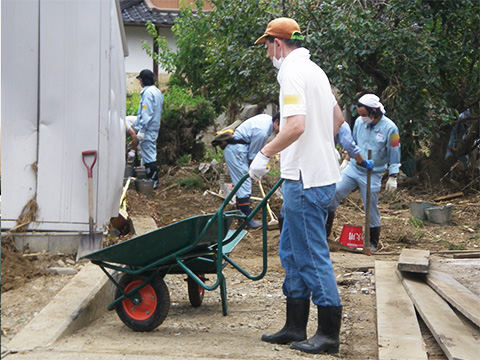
x=250, y=136
x=372, y=131
x=148, y=122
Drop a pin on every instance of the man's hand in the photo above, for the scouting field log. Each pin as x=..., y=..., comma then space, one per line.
x=368, y=164
x=141, y=136
x=391, y=184
x=258, y=167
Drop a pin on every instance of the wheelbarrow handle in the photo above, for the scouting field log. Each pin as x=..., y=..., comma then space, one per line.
x=89, y=168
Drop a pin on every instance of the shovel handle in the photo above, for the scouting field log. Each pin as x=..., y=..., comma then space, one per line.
x=89, y=168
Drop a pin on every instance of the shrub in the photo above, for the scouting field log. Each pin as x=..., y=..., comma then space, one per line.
x=184, y=117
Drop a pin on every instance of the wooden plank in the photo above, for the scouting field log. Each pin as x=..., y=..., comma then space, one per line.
x=399, y=336
x=412, y=260
x=449, y=197
x=456, y=294
x=451, y=334
x=475, y=255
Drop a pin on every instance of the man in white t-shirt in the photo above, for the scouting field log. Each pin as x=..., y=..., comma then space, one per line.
x=310, y=168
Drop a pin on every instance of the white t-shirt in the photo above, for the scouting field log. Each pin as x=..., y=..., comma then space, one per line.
x=305, y=90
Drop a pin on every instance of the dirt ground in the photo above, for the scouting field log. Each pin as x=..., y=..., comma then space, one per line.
x=258, y=307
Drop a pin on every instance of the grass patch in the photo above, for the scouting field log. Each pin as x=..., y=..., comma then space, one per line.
x=415, y=222
x=193, y=182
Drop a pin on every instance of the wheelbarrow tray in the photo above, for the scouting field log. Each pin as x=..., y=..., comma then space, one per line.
x=164, y=244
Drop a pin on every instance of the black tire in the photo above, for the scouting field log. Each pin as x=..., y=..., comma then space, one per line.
x=153, y=309
x=195, y=291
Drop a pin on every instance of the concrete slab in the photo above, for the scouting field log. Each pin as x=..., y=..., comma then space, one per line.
x=81, y=301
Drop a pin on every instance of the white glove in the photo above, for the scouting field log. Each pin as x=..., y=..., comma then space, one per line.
x=141, y=136
x=391, y=184
x=344, y=164
x=258, y=167
x=131, y=155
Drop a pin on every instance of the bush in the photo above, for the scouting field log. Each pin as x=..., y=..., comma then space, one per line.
x=184, y=117
x=133, y=99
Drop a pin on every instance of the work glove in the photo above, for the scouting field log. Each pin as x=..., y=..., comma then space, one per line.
x=344, y=164
x=368, y=164
x=131, y=155
x=258, y=167
x=141, y=136
x=391, y=184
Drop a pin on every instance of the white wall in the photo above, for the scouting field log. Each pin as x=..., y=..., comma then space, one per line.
x=138, y=59
x=63, y=92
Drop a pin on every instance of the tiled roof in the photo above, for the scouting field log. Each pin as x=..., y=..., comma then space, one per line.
x=136, y=12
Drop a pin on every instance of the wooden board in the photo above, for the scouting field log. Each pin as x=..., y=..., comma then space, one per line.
x=449, y=197
x=399, y=335
x=451, y=334
x=456, y=294
x=412, y=260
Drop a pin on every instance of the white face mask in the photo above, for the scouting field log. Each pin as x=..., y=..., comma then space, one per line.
x=277, y=62
x=367, y=119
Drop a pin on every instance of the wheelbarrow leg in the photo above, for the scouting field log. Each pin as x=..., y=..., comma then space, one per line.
x=223, y=295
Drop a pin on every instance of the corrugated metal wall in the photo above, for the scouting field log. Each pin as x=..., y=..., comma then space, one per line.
x=63, y=92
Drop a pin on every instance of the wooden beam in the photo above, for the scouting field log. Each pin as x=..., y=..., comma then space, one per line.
x=456, y=294
x=451, y=334
x=412, y=260
x=449, y=197
x=399, y=335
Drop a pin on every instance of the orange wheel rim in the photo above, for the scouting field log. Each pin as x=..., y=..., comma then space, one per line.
x=146, y=308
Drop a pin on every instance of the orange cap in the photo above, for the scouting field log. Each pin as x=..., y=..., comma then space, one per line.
x=283, y=28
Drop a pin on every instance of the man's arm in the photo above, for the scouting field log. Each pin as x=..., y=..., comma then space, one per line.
x=338, y=119
x=291, y=131
x=133, y=135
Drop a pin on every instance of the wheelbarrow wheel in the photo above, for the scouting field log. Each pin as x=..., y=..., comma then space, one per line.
x=153, y=308
x=195, y=291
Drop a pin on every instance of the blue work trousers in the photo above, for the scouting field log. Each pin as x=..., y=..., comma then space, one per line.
x=353, y=177
x=238, y=165
x=303, y=245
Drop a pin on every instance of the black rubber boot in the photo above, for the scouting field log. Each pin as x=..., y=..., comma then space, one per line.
x=327, y=337
x=329, y=223
x=374, y=237
x=243, y=205
x=295, y=328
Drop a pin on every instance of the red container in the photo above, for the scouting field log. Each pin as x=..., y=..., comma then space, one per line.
x=352, y=236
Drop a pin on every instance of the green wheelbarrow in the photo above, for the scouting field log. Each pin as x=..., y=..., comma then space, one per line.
x=195, y=246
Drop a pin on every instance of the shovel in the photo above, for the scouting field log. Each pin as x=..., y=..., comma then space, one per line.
x=91, y=242
x=366, y=233
x=273, y=223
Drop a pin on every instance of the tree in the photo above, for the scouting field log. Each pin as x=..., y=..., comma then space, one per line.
x=419, y=56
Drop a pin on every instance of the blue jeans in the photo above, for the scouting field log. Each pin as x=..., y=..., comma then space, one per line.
x=303, y=245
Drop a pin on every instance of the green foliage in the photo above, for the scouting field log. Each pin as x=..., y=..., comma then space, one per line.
x=133, y=100
x=185, y=159
x=415, y=222
x=184, y=117
x=419, y=56
x=193, y=182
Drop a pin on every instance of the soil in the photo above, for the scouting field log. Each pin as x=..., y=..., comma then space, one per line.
x=256, y=307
